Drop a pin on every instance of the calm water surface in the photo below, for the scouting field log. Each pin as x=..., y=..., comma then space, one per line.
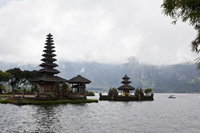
x=163, y=115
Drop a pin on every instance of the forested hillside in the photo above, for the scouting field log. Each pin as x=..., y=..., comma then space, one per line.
x=170, y=78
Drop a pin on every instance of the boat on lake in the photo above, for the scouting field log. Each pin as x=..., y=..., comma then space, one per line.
x=172, y=96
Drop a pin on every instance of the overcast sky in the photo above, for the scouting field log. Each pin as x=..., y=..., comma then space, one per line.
x=104, y=31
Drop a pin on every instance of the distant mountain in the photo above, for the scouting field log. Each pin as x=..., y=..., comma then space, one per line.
x=170, y=78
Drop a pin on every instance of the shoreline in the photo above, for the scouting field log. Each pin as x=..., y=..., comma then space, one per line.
x=27, y=102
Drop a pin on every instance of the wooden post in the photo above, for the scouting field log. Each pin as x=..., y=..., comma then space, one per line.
x=23, y=92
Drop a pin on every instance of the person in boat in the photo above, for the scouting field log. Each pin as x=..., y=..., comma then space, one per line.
x=171, y=96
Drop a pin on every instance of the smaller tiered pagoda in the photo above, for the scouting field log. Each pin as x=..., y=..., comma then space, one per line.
x=126, y=91
x=126, y=88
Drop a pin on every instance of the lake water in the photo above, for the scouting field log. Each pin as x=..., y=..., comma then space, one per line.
x=163, y=115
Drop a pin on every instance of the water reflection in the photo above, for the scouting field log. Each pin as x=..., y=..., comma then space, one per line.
x=59, y=118
x=46, y=119
x=179, y=115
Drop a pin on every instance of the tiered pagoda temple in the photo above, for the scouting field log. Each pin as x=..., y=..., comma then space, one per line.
x=48, y=82
x=126, y=88
x=126, y=91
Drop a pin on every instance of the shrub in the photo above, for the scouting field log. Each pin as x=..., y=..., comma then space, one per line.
x=148, y=91
x=112, y=91
x=90, y=93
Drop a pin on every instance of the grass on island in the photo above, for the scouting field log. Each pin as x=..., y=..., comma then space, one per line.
x=27, y=102
x=5, y=101
x=5, y=96
x=30, y=102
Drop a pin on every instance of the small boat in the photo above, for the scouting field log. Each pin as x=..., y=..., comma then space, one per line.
x=171, y=96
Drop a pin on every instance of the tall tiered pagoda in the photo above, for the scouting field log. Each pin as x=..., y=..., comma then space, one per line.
x=48, y=82
x=126, y=88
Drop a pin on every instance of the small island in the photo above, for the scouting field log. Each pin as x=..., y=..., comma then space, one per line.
x=49, y=88
x=127, y=93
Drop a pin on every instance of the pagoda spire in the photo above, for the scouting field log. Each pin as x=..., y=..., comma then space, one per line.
x=48, y=59
x=125, y=80
x=126, y=87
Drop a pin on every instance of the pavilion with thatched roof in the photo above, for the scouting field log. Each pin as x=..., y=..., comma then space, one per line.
x=79, y=84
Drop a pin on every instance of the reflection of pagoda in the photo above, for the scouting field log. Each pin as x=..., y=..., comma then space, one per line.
x=126, y=88
x=48, y=82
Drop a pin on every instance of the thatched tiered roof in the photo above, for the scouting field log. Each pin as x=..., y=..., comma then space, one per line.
x=126, y=83
x=48, y=66
x=79, y=79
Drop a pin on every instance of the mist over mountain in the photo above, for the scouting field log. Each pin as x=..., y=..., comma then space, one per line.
x=168, y=78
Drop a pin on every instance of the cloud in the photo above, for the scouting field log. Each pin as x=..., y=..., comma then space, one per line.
x=82, y=70
x=93, y=31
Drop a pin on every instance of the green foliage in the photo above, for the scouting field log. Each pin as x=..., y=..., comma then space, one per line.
x=7, y=96
x=148, y=91
x=51, y=96
x=19, y=77
x=29, y=90
x=9, y=92
x=68, y=88
x=34, y=88
x=16, y=75
x=5, y=101
x=27, y=75
x=89, y=93
x=1, y=88
x=112, y=92
x=139, y=92
x=187, y=10
x=4, y=77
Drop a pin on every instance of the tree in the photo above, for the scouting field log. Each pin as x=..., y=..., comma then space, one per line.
x=89, y=93
x=113, y=92
x=27, y=75
x=148, y=91
x=19, y=77
x=16, y=75
x=187, y=10
x=4, y=77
